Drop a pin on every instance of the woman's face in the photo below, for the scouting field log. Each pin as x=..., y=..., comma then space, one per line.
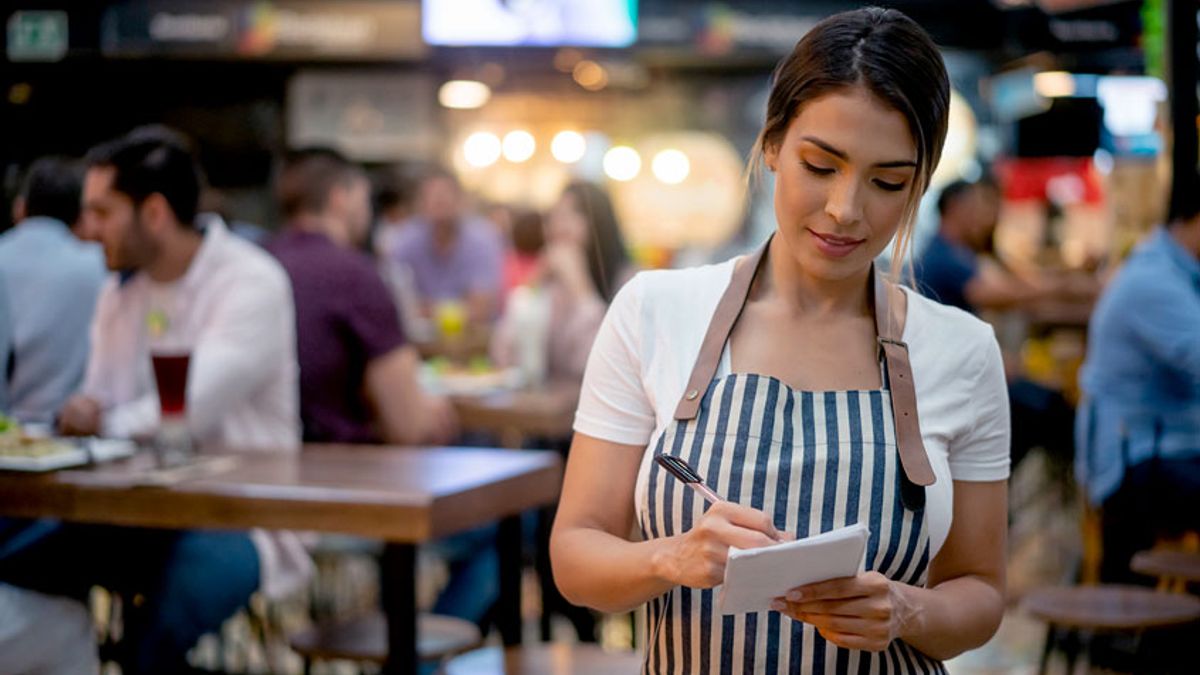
x=843, y=173
x=565, y=224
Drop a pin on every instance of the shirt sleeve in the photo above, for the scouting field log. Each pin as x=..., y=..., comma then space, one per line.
x=487, y=270
x=982, y=453
x=1165, y=318
x=613, y=404
x=372, y=318
x=238, y=350
x=944, y=276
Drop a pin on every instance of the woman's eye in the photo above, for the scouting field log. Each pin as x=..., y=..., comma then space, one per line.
x=818, y=170
x=890, y=187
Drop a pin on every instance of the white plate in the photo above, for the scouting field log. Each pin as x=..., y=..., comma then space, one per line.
x=470, y=384
x=102, y=450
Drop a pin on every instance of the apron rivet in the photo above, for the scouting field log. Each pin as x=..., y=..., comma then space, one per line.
x=691, y=395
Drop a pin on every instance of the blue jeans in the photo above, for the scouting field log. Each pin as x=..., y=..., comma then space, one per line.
x=189, y=583
x=474, y=584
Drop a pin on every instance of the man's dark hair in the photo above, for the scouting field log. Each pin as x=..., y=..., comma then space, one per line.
x=154, y=160
x=951, y=193
x=308, y=176
x=1185, y=197
x=52, y=189
x=434, y=172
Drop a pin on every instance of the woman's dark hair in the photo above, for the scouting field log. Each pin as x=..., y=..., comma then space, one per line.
x=154, y=160
x=606, y=254
x=889, y=55
x=528, y=233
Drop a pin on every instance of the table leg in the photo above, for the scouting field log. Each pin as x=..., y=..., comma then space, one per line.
x=508, y=540
x=398, y=590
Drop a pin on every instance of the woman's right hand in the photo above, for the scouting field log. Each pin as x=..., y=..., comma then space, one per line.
x=696, y=558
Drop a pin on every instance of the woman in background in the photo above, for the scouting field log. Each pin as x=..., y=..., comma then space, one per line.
x=581, y=266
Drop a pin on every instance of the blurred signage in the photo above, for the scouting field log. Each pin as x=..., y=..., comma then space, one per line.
x=716, y=29
x=371, y=117
x=298, y=29
x=37, y=36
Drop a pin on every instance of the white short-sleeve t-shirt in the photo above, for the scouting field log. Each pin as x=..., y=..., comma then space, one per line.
x=649, y=341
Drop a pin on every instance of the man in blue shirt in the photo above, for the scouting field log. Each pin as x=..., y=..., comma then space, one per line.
x=53, y=280
x=1138, y=427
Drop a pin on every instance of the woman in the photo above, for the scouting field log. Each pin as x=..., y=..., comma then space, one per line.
x=778, y=377
x=582, y=265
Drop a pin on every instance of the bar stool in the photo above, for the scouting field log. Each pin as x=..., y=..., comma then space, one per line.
x=1075, y=613
x=1173, y=569
x=545, y=659
x=363, y=639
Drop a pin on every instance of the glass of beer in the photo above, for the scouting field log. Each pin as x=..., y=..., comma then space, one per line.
x=170, y=355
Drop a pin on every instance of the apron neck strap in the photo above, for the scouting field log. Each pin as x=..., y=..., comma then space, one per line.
x=889, y=327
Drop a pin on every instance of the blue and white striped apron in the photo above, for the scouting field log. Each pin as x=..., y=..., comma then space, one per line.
x=815, y=461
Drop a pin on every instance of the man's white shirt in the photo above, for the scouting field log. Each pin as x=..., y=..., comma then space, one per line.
x=235, y=306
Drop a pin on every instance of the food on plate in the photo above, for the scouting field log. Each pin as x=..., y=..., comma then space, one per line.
x=14, y=442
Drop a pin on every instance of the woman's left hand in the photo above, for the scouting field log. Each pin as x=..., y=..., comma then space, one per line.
x=864, y=612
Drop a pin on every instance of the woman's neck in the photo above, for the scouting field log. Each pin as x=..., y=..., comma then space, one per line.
x=804, y=294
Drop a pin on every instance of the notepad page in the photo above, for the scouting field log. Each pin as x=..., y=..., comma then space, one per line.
x=754, y=577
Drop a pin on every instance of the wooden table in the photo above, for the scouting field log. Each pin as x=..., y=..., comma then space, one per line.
x=404, y=496
x=514, y=417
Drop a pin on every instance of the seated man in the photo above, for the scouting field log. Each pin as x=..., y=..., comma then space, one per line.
x=957, y=270
x=235, y=302
x=1139, y=422
x=39, y=634
x=358, y=376
x=454, y=257
x=41, y=259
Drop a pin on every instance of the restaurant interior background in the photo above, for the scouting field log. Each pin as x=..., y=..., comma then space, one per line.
x=1081, y=109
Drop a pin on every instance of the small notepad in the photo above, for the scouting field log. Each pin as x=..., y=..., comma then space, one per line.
x=756, y=576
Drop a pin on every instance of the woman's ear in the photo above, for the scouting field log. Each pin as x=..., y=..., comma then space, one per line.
x=771, y=156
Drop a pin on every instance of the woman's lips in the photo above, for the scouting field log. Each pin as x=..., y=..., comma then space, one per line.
x=835, y=246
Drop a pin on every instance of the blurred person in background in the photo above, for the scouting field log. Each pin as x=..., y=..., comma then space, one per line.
x=215, y=204
x=44, y=634
x=234, y=302
x=53, y=280
x=1139, y=421
x=582, y=265
x=958, y=268
x=393, y=204
x=6, y=347
x=358, y=374
x=454, y=257
x=526, y=241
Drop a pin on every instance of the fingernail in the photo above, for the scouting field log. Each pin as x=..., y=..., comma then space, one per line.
x=778, y=605
x=795, y=596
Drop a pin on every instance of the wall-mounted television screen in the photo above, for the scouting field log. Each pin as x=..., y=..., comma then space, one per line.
x=535, y=23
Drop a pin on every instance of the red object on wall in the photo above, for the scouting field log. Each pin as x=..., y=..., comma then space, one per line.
x=1027, y=177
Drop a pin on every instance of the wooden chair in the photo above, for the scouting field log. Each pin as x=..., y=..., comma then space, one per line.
x=363, y=639
x=545, y=659
x=1076, y=613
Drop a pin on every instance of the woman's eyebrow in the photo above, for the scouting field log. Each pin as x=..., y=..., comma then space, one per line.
x=841, y=154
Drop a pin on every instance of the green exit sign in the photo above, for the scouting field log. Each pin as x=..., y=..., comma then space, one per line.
x=37, y=36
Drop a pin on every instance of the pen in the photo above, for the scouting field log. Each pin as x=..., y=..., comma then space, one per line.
x=684, y=472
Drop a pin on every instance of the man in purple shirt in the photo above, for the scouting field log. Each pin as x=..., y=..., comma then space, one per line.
x=358, y=375
x=453, y=257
